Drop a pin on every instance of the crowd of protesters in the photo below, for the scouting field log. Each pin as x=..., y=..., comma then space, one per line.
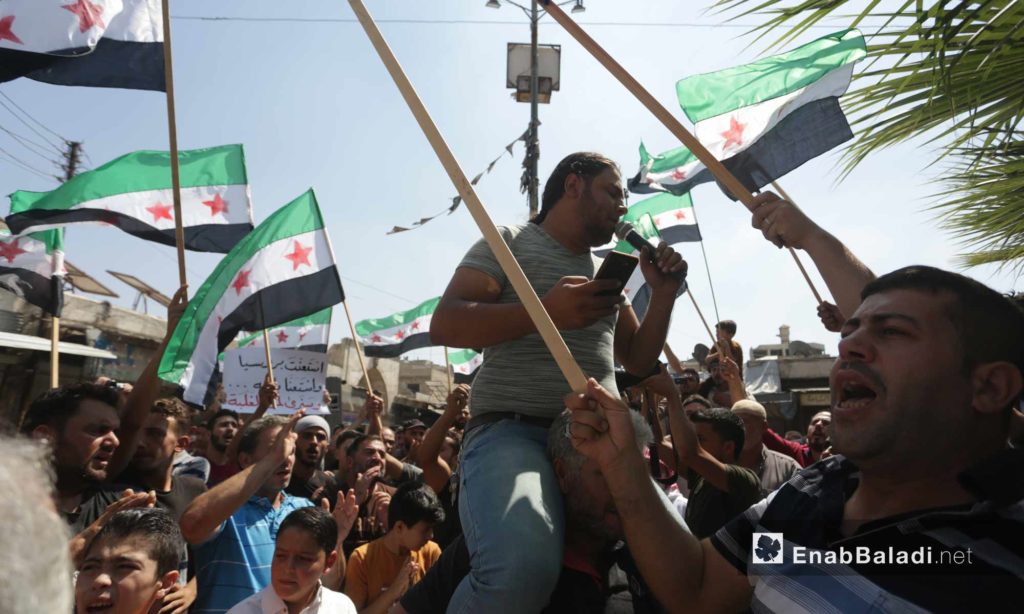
x=662, y=489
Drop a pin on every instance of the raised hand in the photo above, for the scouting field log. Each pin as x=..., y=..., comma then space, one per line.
x=346, y=510
x=576, y=302
x=831, y=317
x=729, y=369
x=284, y=445
x=269, y=393
x=661, y=383
x=782, y=222
x=457, y=400
x=373, y=406
x=176, y=309
x=661, y=275
x=601, y=427
x=365, y=482
x=178, y=598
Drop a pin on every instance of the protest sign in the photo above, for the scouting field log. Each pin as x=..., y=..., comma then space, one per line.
x=299, y=374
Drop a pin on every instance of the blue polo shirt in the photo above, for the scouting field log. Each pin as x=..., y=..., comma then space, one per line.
x=235, y=563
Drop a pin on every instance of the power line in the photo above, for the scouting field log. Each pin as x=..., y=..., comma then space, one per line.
x=25, y=142
x=24, y=165
x=26, y=113
x=488, y=22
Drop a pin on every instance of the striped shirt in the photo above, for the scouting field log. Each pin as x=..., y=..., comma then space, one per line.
x=235, y=563
x=946, y=559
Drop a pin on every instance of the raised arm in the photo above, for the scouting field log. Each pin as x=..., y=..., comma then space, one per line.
x=373, y=407
x=435, y=471
x=690, y=453
x=144, y=393
x=785, y=225
x=345, y=512
x=731, y=373
x=268, y=396
x=699, y=578
x=638, y=344
x=210, y=509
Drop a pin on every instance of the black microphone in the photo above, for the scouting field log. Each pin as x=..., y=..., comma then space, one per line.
x=626, y=232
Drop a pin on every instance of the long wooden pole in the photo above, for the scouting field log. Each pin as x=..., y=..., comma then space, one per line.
x=714, y=338
x=54, y=352
x=796, y=258
x=359, y=348
x=717, y=169
x=270, y=362
x=172, y=132
x=448, y=369
x=540, y=318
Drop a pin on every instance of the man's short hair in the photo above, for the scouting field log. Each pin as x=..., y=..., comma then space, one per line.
x=152, y=526
x=728, y=326
x=174, y=408
x=358, y=442
x=251, y=435
x=989, y=326
x=55, y=407
x=699, y=400
x=220, y=414
x=724, y=423
x=585, y=164
x=315, y=521
x=344, y=437
x=414, y=502
x=560, y=441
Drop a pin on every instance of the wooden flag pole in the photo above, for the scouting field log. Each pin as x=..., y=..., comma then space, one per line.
x=359, y=348
x=796, y=258
x=722, y=174
x=714, y=338
x=172, y=131
x=54, y=352
x=448, y=369
x=270, y=363
x=540, y=318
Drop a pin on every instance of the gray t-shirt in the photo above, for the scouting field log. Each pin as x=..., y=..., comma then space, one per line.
x=521, y=375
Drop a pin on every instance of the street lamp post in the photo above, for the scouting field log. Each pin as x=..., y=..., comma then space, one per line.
x=531, y=182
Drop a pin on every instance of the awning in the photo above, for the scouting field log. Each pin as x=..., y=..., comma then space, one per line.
x=38, y=344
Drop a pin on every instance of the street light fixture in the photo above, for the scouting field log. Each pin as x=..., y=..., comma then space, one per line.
x=530, y=182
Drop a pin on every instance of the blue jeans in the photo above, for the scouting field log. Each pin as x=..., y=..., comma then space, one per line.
x=512, y=519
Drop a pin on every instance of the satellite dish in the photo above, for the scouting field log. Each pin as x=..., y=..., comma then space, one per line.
x=799, y=348
x=700, y=353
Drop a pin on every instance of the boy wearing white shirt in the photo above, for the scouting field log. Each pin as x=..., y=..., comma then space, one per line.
x=305, y=549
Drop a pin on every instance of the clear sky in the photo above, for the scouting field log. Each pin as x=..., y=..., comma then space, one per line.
x=313, y=106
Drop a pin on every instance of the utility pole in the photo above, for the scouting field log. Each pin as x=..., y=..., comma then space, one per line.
x=71, y=160
x=533, y=146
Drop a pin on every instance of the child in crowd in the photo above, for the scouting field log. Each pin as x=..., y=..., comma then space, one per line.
x=131, y=563
x=381, y=571
x=305, y=549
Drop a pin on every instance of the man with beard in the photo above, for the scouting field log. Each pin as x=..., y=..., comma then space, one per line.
x=595, y=558
x=232, y=525
x=804, y=453
x=508, y=488
x=930, y=367
x=412, y=436
x=223, y=427
x=308, y=479
x=91, y=439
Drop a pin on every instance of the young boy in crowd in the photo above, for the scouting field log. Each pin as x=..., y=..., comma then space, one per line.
x=131, y=563
x=381, y=571
x=305, y=549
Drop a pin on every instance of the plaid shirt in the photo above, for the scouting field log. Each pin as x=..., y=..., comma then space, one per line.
x=808, y=511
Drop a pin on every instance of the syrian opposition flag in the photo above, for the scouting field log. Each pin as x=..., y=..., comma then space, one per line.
x=763, y=119
x=32, y=267
x=93, y=43
x=398, y=333
x=134, y=193
x=305, y=333
x=283, y=270
x=464, y=364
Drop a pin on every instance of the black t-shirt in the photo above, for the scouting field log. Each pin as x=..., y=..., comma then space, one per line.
x=94, y=501
x=320, y=480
